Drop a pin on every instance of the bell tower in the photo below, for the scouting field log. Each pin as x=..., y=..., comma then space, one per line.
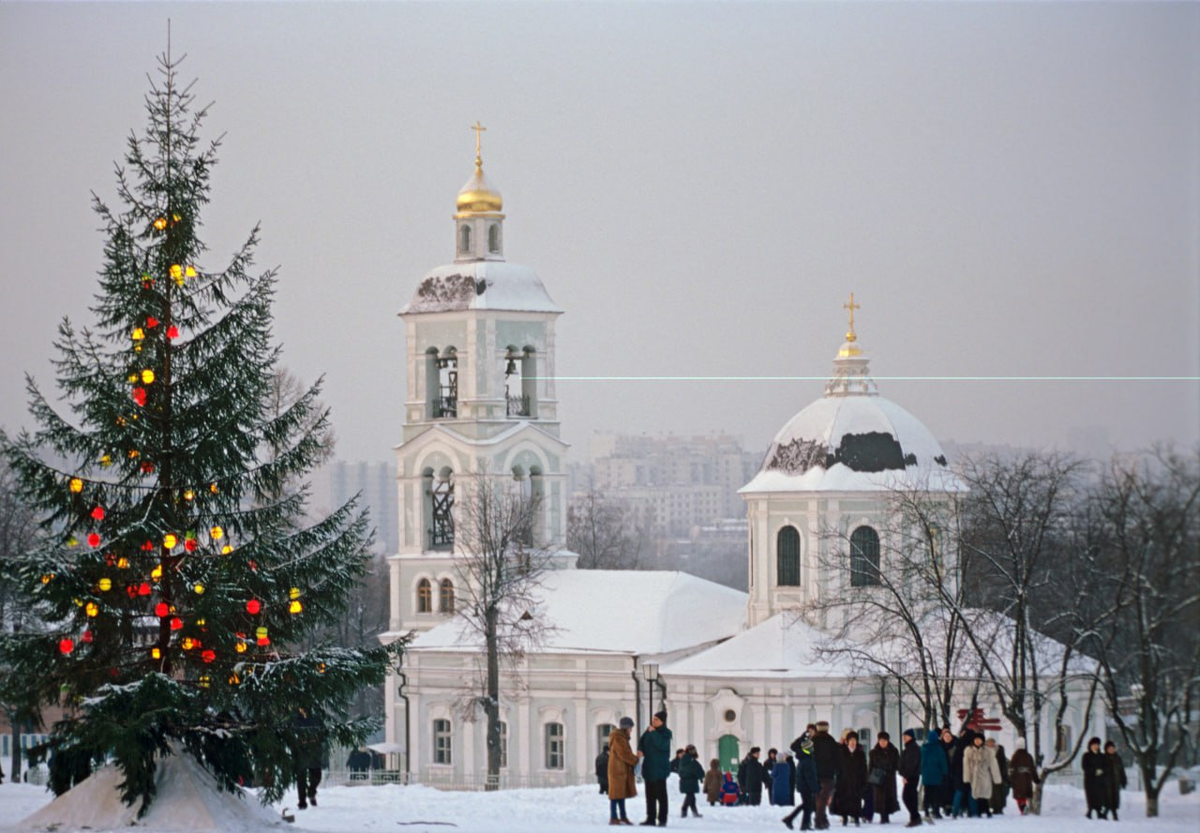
x=480, y=402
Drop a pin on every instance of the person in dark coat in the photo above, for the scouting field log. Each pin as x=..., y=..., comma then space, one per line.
x=1116, y=778
x=807, y=785
x=910, y=772
x=769, y=773
x=1022, y=775
x=676, y=761
x=750, y=777
x=602, y=770
x=935, y=771
x=999, y=790
x=359, y=761
x=961, y=803
x=308, y=755
x=1095, y=779
x=852, y=780
x=690, y=774
x=827, y=755
x=882, y=765
x=782, y=794
x=712, y=782
x=655, y=746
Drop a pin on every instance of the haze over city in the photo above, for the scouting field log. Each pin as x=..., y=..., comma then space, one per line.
x=1010, y=190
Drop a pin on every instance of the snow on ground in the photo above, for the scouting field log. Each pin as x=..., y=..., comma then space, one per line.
x=352, y=809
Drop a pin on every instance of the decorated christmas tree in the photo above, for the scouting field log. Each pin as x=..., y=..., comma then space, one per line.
x=177, y=572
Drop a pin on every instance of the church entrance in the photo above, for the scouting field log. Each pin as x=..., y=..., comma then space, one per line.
x=727, y=753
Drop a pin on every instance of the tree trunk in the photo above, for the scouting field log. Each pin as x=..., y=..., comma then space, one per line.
x=491, y=703
x=1035, y=801
x=1151, y=788
x=14, y=773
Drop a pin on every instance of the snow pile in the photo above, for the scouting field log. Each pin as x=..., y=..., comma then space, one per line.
x=187, y=801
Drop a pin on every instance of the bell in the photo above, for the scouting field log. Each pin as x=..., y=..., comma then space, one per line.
x=511, y=368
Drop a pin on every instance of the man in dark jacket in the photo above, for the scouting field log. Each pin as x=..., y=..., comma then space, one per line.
x=935, y=770
x=962, y=802
x=825, y=754
x=910, y=771
x=769, y=772
x=806, y=784
x=750, y=777
x=655, y=746
x=308, y=755
x=602, y=770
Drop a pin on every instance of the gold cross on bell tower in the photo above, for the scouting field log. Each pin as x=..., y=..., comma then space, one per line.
x=850, y=336
x=479, y=131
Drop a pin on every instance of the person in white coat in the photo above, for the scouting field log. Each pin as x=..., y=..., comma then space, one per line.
x=981, y=772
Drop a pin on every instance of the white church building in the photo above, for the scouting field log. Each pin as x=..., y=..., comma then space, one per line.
x=733, y=669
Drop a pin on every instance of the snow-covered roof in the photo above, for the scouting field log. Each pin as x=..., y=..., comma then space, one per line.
x=617, y=611
x=480, y=285
x=782, y=647
x=853, y=439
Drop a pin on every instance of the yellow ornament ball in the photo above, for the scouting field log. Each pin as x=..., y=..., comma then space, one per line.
x=205, y=681
x=123, y=563
x=234, y=679
x=160, y=223
x=217, y=533
x=190, y=271
x=261, y=632
x=155, y=653
x=138, y=334
x=294, y=593
x=106, y=461
x=176, y=270
x=225, y=550
x=189, y=495
x=199, y=588
x=240, y=647
x=169, y=541
x=187, y=643
x=156, y=573
x=105, y=584
x=92, y=609
x=147, y=376
x=47, y=578
x=76, y=485
x=295, y=607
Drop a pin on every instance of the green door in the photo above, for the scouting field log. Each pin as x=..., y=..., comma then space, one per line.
x=727, y=751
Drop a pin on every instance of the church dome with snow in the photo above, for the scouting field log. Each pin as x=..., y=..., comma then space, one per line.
x=853, y=439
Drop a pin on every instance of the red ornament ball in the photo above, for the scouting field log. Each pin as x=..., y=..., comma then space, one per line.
x=139, y=396
x=161, y=609
x=253, y=606
x=87, y=636
x=176, y=623
x=66, y=646
x=209, y=655
x=190, y=545
x=172, y=331
x=98, y=513
x=144, y=589
x=151, y=322
x=93, y=539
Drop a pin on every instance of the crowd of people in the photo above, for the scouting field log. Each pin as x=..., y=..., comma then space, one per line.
x=967, y=774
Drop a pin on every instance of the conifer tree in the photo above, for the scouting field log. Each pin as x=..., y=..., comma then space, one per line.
x=177, y=573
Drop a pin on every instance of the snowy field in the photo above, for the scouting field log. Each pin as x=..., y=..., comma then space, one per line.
x=571, y=809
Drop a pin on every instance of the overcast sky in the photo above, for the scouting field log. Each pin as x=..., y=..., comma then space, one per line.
x=1008, y=189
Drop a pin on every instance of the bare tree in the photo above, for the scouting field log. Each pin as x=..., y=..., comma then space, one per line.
x=1145, y=567
x=1021, y=528
x=18, y=531
x=500, y=563
x=605, y=533
x=891, y=621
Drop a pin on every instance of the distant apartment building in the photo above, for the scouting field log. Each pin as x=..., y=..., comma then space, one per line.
x=376, y=481
x=674, y=482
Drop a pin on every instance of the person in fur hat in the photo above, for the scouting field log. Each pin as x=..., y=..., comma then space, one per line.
x=1022, y=775
x=882, y=766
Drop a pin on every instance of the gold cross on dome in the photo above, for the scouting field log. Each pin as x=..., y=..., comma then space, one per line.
x=852, y=307
x=479, y=130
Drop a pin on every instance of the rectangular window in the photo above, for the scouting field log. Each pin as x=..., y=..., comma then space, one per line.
x=603, y=732
x=442, y=742
x=503, y=745
x=555, y=746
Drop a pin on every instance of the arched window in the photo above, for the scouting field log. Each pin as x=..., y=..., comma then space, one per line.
x=424, y=596
x=864, y=557
x=555, y=746
x=447, y=596
x=442, y=742
x=603, y=733
x=494, y=238
x=787, y=557
x=464, y=239
x=514, y=383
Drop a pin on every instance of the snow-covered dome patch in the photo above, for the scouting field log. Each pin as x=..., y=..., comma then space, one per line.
x=482, y=284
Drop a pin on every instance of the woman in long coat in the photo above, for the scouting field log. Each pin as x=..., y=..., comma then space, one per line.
x=621, y=761
x=851, y=780
x=1022, y=775
x=712, y=782
x=1095, y=779
x=999, y=790
x=1116, y=778
x=982, y=773
x=884, y=757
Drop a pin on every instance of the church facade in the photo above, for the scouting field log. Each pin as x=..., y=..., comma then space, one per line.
x=733, y=669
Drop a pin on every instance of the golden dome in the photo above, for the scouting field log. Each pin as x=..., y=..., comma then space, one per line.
x=478, y=196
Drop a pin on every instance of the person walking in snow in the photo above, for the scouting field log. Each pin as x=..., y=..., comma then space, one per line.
x=961, y=800
x=308, y=755
x=1095, y=779
x=750, y=777
x=621, y=761
x=851, y=780
x=981, y=773
x=602, y=769
x=1022, y=775
x=883, y=763
x=910, y=772
x=1116, y=778
x=826, y=755
x=690, y=772
x=1000, y=790
x=712, y=782
x=935, y=769
x=655, y=748
x=782, y=794
x=807, y=785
